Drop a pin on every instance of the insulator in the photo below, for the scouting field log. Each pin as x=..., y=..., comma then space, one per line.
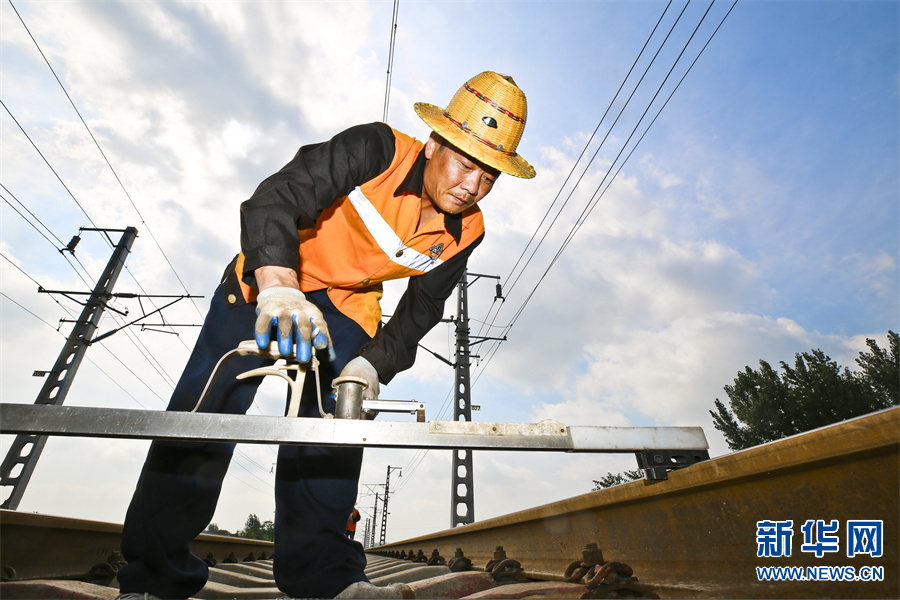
x=72, y=243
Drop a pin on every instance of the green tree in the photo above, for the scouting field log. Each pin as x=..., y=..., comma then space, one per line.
x=881, y=370
x=213, y=529
x=814, y=392
x=256, y=530
x=612, y=479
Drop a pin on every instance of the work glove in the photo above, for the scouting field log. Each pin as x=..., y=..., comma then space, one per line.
x=297, y=319
x=360, y=367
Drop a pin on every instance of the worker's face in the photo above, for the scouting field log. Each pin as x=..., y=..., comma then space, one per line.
x=453, y=181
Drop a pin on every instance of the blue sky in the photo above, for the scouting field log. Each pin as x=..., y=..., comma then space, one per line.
x=757, y=218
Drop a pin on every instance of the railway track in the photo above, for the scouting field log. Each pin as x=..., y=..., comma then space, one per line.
x=695, y=534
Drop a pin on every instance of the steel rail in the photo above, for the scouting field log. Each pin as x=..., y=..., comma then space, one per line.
x=50, y=547
x=694, y=535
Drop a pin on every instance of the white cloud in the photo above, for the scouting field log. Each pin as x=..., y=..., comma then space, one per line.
x=239, y=138
x=318, y=64
x=876, y=273
x=671, y=375
x=167, y=27
x=661, y=174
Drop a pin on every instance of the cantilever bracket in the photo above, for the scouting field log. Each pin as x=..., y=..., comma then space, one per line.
x=656, y=464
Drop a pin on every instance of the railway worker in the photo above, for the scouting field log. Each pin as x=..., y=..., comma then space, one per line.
x=352, y=521
x=318, y=238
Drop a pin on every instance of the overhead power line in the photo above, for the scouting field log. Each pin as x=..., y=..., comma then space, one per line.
x=390, y=68
x=240, y=454
x=600, y=190
x=58, y=244
x=139, y=345
x=107, y=375
x=510, y=286
x=47, y=162
x=597, y=194
x=420, y=455
x=144, y=224
x=142, y=349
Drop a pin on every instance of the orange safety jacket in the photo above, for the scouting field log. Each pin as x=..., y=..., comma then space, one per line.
x=344, y=215
x=354, y=518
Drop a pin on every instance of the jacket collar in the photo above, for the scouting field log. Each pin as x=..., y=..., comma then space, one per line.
x=413, y=183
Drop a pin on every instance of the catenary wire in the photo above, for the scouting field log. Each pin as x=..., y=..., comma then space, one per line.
x=69, y=312
x=142, y=348
x=597, y=151
x=5, y=199
x=594, y=204
x=492, y=348
x=47, y=162
x=97, y=366
x=32, y=313
x=420, y=455
x=49, y=231
x=58, y=244
x=580, y=222
x=121, y=184
x=509, y=287
x=241, y=454
x=390, y=68
x=597, y=194
x=144, y=223
x=238, y=463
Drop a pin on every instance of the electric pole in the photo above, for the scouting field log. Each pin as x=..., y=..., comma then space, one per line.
x=387, y=493
x=462, y=500
x=366, y=532
x=374, y=521
x=27, y=448
x=462, y=507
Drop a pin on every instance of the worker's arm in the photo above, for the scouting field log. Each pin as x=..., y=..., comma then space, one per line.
x=288, y=201
x=293, y=198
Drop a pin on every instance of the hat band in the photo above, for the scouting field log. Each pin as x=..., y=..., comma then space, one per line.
x=465, y=128
x=484, y=98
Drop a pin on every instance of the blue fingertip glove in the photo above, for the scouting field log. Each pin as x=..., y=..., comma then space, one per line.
x=297, y=320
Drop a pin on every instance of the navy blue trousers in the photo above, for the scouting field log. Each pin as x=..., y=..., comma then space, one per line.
x=179, y=486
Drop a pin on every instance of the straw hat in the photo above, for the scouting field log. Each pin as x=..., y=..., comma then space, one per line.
x=485, y=119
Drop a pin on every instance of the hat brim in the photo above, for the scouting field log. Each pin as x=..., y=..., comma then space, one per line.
x=512, y=165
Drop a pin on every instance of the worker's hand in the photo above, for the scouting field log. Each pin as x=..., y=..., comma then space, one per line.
x=360, y=367
x=298, y=320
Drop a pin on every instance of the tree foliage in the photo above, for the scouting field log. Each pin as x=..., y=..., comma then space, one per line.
x=880, y=370
x=814, y=392
x=213, y=529
x=256, y=530
x=612, y=479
